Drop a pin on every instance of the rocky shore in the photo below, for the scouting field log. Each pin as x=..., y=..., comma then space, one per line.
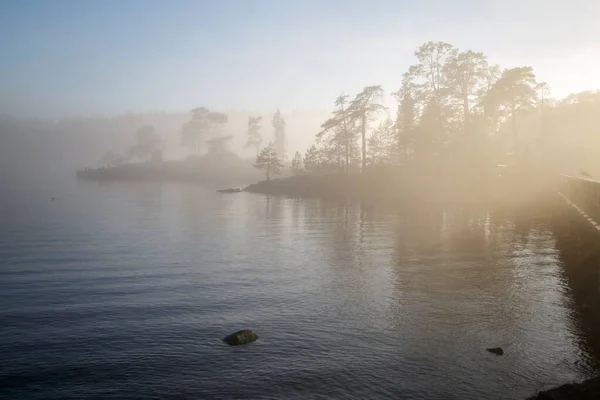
x=586, y=390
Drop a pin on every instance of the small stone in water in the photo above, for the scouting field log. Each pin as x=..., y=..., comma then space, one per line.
x=241, y=337
x=496, y=350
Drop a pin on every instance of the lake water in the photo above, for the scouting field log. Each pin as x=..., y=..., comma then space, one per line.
x=125, y=290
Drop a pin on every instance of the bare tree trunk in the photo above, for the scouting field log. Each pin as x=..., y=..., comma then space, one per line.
x=515, y=134
x=347, y=156
x=399, y=140
x=542, y=116
x=466, y=110
x=269, y=171
x=346, y=140
x=364, y=142
x=542, y=132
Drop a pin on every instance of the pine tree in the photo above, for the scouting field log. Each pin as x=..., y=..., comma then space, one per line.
x=312, y=159
x=361, y=108
x=297, y=164
x=337, y=133
x=268, y=161
x=383, y=146
x=254, y=139
x=204, y=123
x=279, y=131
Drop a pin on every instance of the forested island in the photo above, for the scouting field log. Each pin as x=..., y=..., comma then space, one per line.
x=216, y=167
x=459, y=127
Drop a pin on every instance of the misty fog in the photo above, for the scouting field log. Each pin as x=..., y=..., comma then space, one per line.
x=373, y=199
x=53, y=148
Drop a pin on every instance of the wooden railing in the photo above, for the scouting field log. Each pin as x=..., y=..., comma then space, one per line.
x=582, y=194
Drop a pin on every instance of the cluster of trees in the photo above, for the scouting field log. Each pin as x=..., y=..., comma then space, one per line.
x=203, y=126
x=207, y=126
x=453, y=108
x=148, y=146
x=206, y=129
x=449, y=101
x=270, y=158
x=570, y=132
x=111, y=159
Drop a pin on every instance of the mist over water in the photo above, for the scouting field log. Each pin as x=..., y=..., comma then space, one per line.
x=122, y=291
x=122, y=268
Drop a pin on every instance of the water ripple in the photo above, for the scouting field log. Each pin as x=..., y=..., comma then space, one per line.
x=127, y=291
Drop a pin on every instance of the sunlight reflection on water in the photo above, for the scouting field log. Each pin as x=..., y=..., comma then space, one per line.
x=124, y=290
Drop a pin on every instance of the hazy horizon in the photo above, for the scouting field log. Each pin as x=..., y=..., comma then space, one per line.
x=391, y=198
x=65, y=59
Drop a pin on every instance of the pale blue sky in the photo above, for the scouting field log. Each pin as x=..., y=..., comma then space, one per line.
x=105, y=57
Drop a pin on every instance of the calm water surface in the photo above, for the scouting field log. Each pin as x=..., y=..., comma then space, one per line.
x=125, y=290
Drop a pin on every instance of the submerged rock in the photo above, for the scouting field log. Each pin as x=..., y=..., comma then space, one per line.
x=496, y=350
x=241, y=337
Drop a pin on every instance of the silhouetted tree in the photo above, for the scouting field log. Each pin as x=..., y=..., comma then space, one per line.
x=337, y=133
x=383, y=143
x=217, y=122
x=513, y=92
x=570, y=132
x=427, y=142
x=428, y=78
x=466, y=73
x=279, y=131
x=218, y=146
x=486, y=116
x=268, y=161
x=405, y=122
x=312, y=159
x=450, y=106
x=110, y=160
x=254, y=139
x=364, y=105
x=543, y=90
x=204, y=123
x=297, y=164
x=147, y=142
x=581, y=98
x=194, y=129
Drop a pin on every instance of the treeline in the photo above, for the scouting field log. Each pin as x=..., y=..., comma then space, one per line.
x=205, y=133
x=148, y=146
x=205, y=123
x=454, y=110
x=449, y=102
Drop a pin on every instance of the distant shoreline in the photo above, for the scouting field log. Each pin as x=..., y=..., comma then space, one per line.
x=189, y=171
x=490, y=191
x=403, y=186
